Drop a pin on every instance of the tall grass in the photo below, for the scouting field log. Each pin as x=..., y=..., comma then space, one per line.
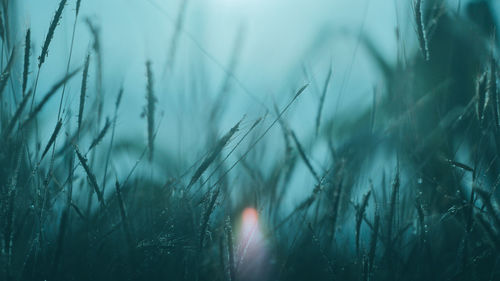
x=436, y=127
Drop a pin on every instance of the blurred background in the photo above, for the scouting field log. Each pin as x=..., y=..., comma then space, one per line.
x=270, y=49
x=419, y=135
x=243, y=55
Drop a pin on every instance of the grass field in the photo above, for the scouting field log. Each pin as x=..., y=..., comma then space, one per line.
x=408, y=191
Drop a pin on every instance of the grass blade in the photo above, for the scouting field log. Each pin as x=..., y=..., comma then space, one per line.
x=150, y=109
x=52, y=138
x=46, y=98
x=53, y=24
x=304, y=157
x=91, y=176
x=217, y=150
x=101, y=135
x=322, y=99
x=421, y=29
x=26, y=68
x=4, y=77
x=83, y=91
x=360, y=213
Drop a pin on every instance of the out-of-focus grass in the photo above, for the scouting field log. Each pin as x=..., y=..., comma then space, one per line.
x=68, y=211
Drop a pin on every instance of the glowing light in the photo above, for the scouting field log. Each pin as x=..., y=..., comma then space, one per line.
x=252, y=249
x=250, y=221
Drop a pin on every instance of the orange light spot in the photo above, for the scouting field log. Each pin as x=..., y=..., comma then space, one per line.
x=250, y=219
x=252, y=250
